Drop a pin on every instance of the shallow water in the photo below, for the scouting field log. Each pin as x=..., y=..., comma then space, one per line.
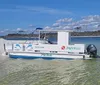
x=51, y=72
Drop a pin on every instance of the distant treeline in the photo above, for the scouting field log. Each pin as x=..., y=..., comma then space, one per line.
x=21, y=35
x=88, y=33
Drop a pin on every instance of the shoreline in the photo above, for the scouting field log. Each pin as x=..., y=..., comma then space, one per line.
x=37, y=37
x=85, y=36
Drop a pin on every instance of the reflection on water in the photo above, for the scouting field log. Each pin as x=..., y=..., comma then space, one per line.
x=49, y=72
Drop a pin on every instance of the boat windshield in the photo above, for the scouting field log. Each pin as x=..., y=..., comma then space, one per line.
x=51, y=37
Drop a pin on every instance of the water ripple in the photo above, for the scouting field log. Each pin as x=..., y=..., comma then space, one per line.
x=49, y=72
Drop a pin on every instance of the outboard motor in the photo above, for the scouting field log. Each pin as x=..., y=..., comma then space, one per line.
x=92, y=50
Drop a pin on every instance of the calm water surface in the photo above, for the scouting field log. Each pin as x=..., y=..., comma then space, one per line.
x=52, y=72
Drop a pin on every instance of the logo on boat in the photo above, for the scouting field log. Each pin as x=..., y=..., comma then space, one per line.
x=63, y=47
x=73, y=48
x=38, y=47
x=46, y=54
x=29, y=46
x=17, y=46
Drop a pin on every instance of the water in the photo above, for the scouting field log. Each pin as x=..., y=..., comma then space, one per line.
x=87, y=41
x=52, y=72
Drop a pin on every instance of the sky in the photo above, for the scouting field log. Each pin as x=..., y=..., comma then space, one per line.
x=55, y=14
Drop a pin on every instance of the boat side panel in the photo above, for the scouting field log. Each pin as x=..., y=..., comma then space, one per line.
x=48, y=56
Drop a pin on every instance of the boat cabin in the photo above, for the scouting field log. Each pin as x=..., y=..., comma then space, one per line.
x=43, y=45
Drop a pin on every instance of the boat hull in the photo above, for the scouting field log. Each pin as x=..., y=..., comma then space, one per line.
x=47, y=56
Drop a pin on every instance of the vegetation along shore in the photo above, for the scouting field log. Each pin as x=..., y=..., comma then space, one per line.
x=75, y=34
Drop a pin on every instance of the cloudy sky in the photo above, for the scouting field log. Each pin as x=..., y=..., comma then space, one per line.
x=55, y=14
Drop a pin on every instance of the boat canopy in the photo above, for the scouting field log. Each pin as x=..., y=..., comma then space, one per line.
x=55, y=30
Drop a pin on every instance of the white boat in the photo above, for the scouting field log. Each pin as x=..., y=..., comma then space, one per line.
x=47, y=50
